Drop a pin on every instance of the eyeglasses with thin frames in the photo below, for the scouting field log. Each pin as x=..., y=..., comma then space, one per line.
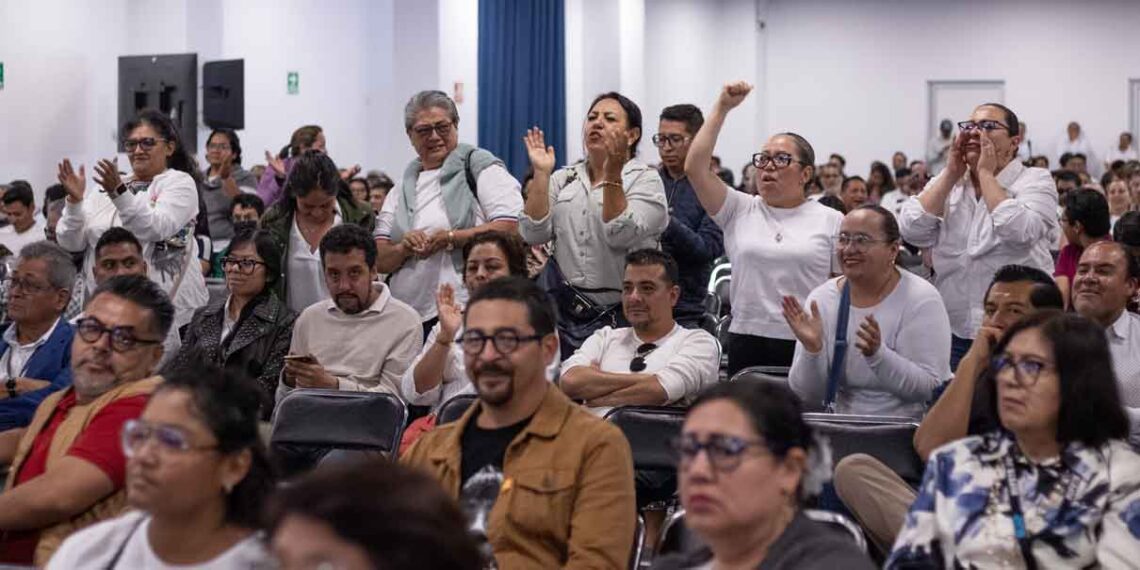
x=661, y=141
x=27, y=285
x=1026, y=370
x=171, y=439
x=985, y=125
x=856, y=242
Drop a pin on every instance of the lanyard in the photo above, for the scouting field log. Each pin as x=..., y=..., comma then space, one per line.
x=1024, y=539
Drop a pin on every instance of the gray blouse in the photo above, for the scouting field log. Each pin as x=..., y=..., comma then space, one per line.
x=591, y=253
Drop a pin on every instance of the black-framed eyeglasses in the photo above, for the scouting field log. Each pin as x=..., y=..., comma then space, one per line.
x=857, y=242
x=761, y=160
x=244, y=266
x=1026, y=371
x=638, y=362
x=725, y=452
x=146, y=143
x=985, y=125
x=136, y=433
x=505, y=341
x=91, y=330
x=424, y=131
x=660, y=140
x=27, y=285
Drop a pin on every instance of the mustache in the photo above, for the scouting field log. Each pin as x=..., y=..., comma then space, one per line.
x=493, y=368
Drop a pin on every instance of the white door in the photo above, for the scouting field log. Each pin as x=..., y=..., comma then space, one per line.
x=955, y=100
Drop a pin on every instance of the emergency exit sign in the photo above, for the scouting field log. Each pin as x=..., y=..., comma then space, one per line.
x=1, y=75
x=293, y=83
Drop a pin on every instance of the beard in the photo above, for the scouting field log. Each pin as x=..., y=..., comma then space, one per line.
x=502, y=391
x=91, y=385
x=349, y=303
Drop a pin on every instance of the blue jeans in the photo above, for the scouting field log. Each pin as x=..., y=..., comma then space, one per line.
x=958, y=348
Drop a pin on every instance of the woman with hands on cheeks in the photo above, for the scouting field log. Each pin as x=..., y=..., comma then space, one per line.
x=897, y=328
x=595, y=211
x=778, y=241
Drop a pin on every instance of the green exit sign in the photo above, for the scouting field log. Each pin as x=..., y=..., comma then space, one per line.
x=293, y=83
x=1, y=75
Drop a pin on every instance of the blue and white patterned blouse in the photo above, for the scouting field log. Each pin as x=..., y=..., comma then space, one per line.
x=962, y=518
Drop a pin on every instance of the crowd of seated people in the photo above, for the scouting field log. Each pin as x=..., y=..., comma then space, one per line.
x=154, y=319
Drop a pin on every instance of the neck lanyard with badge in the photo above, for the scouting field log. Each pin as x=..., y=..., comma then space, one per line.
x=1025, y=540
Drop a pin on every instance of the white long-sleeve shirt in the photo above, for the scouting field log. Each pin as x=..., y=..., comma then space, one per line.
x=969, y=242
x=162, y=218
x=913, y=357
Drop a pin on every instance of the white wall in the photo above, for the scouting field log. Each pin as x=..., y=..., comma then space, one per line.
x=359, y=62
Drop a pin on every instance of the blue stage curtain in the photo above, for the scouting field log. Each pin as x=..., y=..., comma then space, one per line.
x=522, y=77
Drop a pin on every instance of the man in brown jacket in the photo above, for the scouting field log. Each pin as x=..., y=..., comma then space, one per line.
x=548, y=484
x=69, y=468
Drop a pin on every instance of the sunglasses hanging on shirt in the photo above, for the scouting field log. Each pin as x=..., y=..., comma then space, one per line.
x=638, y=362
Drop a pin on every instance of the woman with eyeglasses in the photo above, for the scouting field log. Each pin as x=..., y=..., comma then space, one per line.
x=594, y=213
x=318, y=199
x=747, y=463
x=197, y=477
x=249, y=334
x=1054, y=484
x=223, y=180
x=778, y=241
x=157, y=202
x=880, y=335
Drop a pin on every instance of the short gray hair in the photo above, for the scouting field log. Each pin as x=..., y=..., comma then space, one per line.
x=61, y=270
x=427, y=100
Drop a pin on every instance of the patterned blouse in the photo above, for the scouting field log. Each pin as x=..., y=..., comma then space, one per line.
x=962, y=516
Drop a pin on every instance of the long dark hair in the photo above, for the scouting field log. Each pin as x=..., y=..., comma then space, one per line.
x=1091, y=411
x=157, y=120
x=229, y=406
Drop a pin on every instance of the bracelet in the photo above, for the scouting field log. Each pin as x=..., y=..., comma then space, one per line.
x=611, y=183
x=11, y=386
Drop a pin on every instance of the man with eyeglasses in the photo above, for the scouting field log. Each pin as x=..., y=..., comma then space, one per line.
x=362, y=338
x=68, y=470
x=35, y=356
x=691, y=237
x=655, y=361
x=1106, y=281
x=548, y=484
x=984, y=210
x=448, y=194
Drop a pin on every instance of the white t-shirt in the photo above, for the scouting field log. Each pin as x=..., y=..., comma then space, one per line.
x=16, y=241
x=14, y=362
x=306, y=277
x=416, y=282
x=893, y=201
x=685, y=360
x=96, y=546
x=774, y=252
x=913, y=357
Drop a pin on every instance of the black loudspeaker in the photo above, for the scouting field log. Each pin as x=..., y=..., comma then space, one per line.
x=223, y=94
x=168, y=83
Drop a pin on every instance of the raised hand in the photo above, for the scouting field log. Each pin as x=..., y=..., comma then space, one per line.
x=956, y=162
x=869, y=336
x=75, y=184
x=617, y=153
x=807, y=328
x=226, y=170
x=541, y=156
x=733, y=94
x=107, y=174
x=275, y=163
x=450, y=314
x=348, y=173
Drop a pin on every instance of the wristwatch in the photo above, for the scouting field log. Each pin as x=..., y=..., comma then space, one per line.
x=11, y=386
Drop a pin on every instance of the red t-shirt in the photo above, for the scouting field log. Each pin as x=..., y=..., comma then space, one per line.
x=1067, y=262
x=98, y=445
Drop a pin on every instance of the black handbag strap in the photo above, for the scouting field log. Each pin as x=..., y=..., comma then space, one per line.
x=838, y=358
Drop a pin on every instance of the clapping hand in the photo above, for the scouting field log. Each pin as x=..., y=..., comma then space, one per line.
x=617, y=153
x=541, y=156
x=416, y=241
x=107, y=174
x=808, y=329
x=276, y=164
x=75, y=184
x=870, y=338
